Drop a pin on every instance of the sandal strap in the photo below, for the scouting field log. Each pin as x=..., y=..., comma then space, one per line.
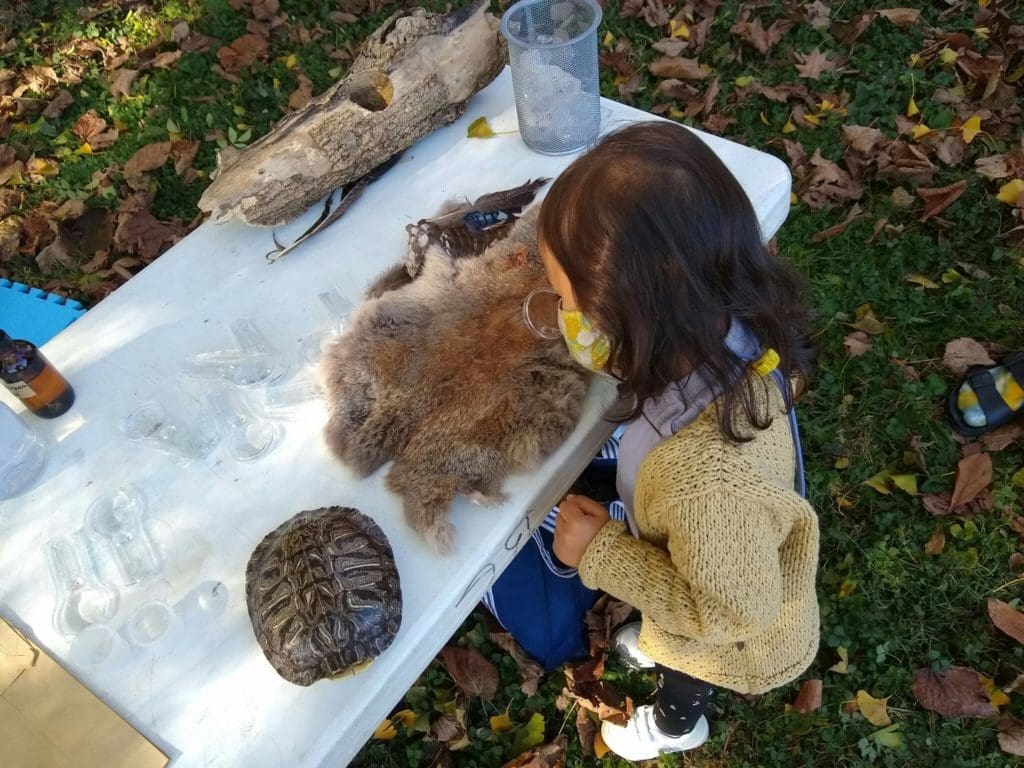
x=1015, y=365
x=992, y=404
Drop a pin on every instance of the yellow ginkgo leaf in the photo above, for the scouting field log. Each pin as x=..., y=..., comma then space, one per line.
x=609, y=39
x=947, y=55
x=1011, y=191
x=888, y=737
x=921, y=280
x=982, y=33
x=291, y=61
x=85, y=149
x=825, y=107
x=385, y=731
x=880, y=481
x=501, y=723
x=906, y=483
x=42, y=166
x=480, y=129
x=971, y=129
x=996, y=697
x=873, y=709
x=812, y=119
x=920, y=130
x=843, y=665
x=764, y=118
x=678, y=29
x=793, y=199
x=913, y=60
x=407, y=716
x=600, y=748
x=744, y=80
x=1017, y=479
x=788, y=127
x=983, y=3
x=676, y=114
x=843, y=502
x=847, y=587
x=842, y=462
x=912, y=107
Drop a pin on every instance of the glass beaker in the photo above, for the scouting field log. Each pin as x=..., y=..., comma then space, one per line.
x=152, y=424
x=552, y=48
x=82, y=600
x=22, y=454
x=540, y=312
x=117, y=518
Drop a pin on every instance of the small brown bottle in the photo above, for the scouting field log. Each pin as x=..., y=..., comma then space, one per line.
x=27, y=373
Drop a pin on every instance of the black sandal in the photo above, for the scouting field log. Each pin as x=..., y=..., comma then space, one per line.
x=997, y=412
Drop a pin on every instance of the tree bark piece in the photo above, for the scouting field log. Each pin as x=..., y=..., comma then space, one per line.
x=415, y=74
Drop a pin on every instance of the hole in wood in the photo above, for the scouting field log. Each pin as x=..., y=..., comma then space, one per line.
x=373, y=91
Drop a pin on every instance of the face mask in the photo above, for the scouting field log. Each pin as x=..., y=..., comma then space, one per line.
x=587, y=345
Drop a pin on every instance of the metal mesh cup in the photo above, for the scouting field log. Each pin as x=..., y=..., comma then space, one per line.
x=552, y=48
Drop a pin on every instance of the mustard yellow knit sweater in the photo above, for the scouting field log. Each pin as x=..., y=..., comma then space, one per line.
x=723, y=572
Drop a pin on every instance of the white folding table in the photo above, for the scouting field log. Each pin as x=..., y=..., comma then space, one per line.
x=209, y=697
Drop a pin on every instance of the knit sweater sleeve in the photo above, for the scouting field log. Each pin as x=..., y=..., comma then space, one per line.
x=719, y=580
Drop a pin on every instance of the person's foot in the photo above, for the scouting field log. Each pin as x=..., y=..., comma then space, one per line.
x=626, y=644
x=641, y=739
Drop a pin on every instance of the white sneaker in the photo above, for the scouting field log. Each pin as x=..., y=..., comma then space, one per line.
x=626, y=645
x=641, y=739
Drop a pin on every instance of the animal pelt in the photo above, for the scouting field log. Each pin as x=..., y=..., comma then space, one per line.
x=441, y=376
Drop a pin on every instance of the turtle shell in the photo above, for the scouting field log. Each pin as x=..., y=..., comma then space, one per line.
x=323, y=594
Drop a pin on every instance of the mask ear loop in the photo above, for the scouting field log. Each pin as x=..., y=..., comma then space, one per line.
x=542, y=330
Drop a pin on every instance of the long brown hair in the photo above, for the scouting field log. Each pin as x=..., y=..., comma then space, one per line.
x=663, y=249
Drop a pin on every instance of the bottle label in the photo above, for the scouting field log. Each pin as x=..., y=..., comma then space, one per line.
x=20, y=389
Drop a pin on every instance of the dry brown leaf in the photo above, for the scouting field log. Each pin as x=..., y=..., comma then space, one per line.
x=754, y=33
x=164, y=60
x=53, y=255
x=973, y=474
x=587, y=729
x=866, y=321
x=184, y=153
x=808, y=700
x=992, y=168
x=1008, y=620
x=447, y=728
x=141, y=233
x=528, y=668
x=857, y=343
x=88, y=232
x=853, y=214
x=10, y=237
x=604, y=699
x=813, y=64
x=1004, y=436
x=963, y=353
x=671, y=46
x=955, y=692
x=939, y=199
x=902, y=17
x=936, y=543
x=1016, y=561
x=545, y=756
x=242, y=52
x=89, y=125
x=651, y=11
x=863, y=139
x=1011, y=735
x=472, y=673
x=302, y=94
x=678, y=68
x=827, y=183
x=817, y=15
x=148, y=158
x=601, y=620
x=121, y=85
x=58, y=104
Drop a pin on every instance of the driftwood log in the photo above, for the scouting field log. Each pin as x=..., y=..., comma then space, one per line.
x=414, y=74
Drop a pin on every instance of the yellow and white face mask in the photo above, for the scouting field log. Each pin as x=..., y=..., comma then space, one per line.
x=588, y=346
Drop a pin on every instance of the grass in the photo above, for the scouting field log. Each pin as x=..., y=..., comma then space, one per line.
x=892, y=607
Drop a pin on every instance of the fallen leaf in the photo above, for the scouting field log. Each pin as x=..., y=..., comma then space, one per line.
x=973, y=474
x=939, y=199
x=529, y=735
x=184, y=154
x=901, y=198
x=922, y=280
x=501, y=723
x=1004, y=436
x=857, y=343
x=447, y=728
x=528, y=668
x=971, y=129
x=141, y=233
x=651, y=11
x=863, y=139
x=89, y=125
x=165, y=59
x=763, y=40
x=828, y=183
x=973, y=270
x=1010, y=193
x=121, y=85
x=472, y=673
x=302, y=94
x=148, y=158
x=852, y=215
x=242, y=53
x=995, y=696
x=936, y=543
x=544, y=756
x=480, y=129
x=954, y=692
x=901, y=17
x=912, y=108
x=808, y=699
x=678, y=68
x=906, y=483
x=866, y=321
x=87, y=233
x=813, y=64
x=1008, y=620
x=58, y=104
x=962, y=353
x=385, y=731
x=888, y=737
x=586, y=728
x=874, y=710
x=842, y=666
x=1016, y=562
x=880, y=481
x=602, y=619
x=42, y=168
x=53, y=255
x=1011, y=735
x=993, y=167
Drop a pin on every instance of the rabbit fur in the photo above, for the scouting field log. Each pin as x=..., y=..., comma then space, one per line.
x=440, y=375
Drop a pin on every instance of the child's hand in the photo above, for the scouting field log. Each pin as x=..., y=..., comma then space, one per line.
x=579, y=520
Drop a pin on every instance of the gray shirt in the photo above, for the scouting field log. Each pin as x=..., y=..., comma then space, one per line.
x=663, y=416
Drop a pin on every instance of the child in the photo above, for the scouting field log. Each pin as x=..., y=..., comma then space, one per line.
x=656, y=255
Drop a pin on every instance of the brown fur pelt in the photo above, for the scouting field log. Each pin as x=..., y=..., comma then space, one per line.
x=441, y=376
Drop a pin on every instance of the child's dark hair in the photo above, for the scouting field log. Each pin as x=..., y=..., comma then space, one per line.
x=662, y=249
